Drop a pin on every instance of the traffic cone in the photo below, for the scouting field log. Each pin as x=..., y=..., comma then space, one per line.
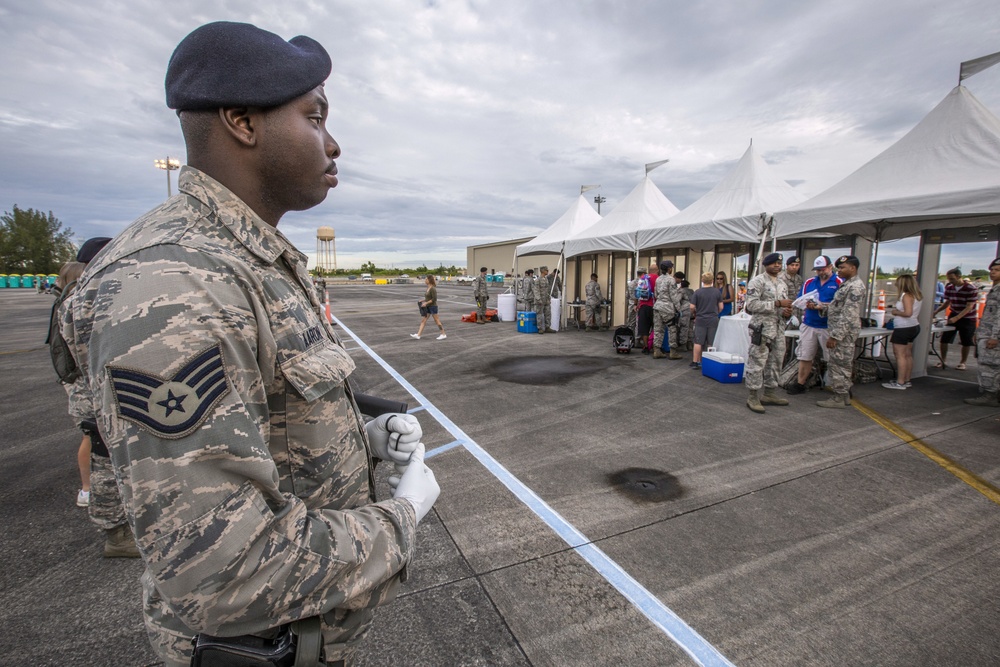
x=326, y=299
x=881, y=299
x=982, y=304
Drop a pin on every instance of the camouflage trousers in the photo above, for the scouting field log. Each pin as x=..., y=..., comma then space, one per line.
x=481, y=308
x=683, y=332
x=661, y=327
x=543, y=314
x=764, y=363
x=840, y=364
x=593, y=314
x=989, y=366
x=632, y=318
x=105, y=508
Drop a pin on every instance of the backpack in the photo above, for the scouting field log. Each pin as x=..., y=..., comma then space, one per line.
x=62, y=360
x=642, y=291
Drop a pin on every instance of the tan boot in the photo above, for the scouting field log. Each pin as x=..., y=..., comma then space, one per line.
x=674, y=355
x=771, y=398
x=120, y=543
x=753, y=402
x=986, y=399
x=658, y=353
x=838, y=401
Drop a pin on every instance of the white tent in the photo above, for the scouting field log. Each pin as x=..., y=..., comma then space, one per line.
x=729, y=212
x=577, y=217
x=616, y=232
x=945, y=173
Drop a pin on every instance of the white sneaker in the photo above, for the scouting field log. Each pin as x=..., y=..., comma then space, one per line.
x=893, y=385
x=442, y=336
x=907, y=385
x=417, y=336
x=83, y=498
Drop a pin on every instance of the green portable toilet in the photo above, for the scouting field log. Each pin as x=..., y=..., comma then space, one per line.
x=27, y=281
x=14, y=280
x=3, y=280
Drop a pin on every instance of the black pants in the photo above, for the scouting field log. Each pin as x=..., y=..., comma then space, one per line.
x=645, y=320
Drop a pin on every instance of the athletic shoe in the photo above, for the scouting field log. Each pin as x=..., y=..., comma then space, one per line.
x=417, y=336
x=83, y=498
x=694, y=364
x=893, y=385
x=796, y=389
x=442, y=336
x=907, y=385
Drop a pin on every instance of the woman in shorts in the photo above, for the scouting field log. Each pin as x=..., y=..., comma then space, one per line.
x=430, y=306
x=905, y=327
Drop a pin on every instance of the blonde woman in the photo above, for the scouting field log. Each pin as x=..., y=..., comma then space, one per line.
x=430, y=302
x=905, y=328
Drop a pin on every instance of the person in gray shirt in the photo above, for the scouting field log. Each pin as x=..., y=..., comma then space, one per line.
x=706, y=303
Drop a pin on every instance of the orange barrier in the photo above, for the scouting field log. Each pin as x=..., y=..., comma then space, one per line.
x=881, y=299
x=982, y=304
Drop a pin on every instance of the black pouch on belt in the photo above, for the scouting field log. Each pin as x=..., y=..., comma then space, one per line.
x=757, y=334
x=97, y=445
x=297, y=645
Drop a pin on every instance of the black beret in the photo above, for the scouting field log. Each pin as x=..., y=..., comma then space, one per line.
x=772, y=258
x=848, y=259
x=666, y=265
x=226, y=64
x=91, y=247
x=794, y=259
x=995, y=262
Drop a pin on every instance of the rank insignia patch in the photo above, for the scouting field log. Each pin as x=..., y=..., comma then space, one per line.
x=172, y=407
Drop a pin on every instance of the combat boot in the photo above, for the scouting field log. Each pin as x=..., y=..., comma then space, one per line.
x=549, y=330
x=771, y=398
x=839, y=401
x=753, y=402
x=987, y=399
x=658, y=354
x=120, y=543
x=480, y=319
x=673, y=354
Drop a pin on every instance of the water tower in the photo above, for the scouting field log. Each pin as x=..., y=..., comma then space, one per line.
x=326, y=249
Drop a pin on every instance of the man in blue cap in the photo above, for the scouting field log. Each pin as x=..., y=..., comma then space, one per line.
x=245, y=467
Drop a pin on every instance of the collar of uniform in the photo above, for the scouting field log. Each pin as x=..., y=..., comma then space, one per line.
x=256, y=235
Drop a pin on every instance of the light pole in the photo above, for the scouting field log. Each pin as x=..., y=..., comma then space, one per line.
x=599, y=200
x=168, y=165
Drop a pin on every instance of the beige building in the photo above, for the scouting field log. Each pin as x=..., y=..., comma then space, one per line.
x=499, y=258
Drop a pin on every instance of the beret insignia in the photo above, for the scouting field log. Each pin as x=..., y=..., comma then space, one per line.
x=171, y=407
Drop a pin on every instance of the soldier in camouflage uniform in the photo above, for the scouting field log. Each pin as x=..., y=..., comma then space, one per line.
x=631, y=303
x=988, y=344
x=246, y=471
x=793, y=283
x=481, y=293
x=528, y=291
x=543, y=302
x=666, y=311
x=843, y=323
x=592, y=291
x=769, y=307
x=684, y=324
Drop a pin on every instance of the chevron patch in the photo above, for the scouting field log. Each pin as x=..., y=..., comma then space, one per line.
x=171, y=407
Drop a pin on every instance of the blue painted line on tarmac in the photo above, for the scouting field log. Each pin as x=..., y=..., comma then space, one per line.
x=443, y=448
x=658, y=613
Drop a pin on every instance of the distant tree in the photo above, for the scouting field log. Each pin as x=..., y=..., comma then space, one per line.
x=979, y=273
x=33, y=242
x=900, y=270
x=369, y=267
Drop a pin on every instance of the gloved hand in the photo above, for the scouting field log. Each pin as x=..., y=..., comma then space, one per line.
x=394, y=437
x=417, y=484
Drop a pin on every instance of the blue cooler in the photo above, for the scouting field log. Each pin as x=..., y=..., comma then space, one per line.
x=722, y=366
x=526, y=322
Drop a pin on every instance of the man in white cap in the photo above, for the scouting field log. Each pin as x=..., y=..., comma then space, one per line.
x=812, y=332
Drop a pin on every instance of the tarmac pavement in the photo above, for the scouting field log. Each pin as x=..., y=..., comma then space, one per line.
x=631, y=511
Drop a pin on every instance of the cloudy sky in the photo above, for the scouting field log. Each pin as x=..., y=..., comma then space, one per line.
x=465, y=121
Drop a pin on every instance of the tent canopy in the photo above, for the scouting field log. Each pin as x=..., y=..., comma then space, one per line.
x=944, y=173
x=730, y=211
x=577, y=217
x=616, y=232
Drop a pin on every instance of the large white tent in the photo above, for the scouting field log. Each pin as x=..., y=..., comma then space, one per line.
x=617, y=231
x=944, y=173
x=577, y=218
x=729, y=212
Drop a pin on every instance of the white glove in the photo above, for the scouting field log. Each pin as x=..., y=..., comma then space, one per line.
x=417, y=484
x=394, y=437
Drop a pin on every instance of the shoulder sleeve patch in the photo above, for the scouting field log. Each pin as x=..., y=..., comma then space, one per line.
x=171, y=407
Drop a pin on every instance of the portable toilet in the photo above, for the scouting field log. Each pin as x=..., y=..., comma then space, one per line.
x=27, y=281
x=3, y=280
x=14, y=280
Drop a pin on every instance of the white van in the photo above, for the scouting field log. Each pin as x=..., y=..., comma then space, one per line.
x=366, y=277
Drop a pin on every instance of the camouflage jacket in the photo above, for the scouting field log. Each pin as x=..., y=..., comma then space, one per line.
x=540, y=289
x=762, y=292
x=668, y=295
x=479, y=289
x=593, y=292
x=844, y=312
x=630, y=292
x=989, y=325
x=793, y=284
x=221, y=392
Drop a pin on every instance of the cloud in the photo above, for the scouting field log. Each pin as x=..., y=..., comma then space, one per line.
x=464, y=122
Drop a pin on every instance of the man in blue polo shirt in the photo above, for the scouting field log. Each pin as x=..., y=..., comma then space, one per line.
x=812, y=331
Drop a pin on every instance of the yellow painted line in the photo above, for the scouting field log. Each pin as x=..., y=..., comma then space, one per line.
x=972, y=479
x=30, y=349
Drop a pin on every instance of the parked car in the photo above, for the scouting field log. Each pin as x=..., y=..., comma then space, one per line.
x=352, y=277
x=464, y=279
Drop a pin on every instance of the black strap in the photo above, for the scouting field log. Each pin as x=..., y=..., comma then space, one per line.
x=310, y=642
